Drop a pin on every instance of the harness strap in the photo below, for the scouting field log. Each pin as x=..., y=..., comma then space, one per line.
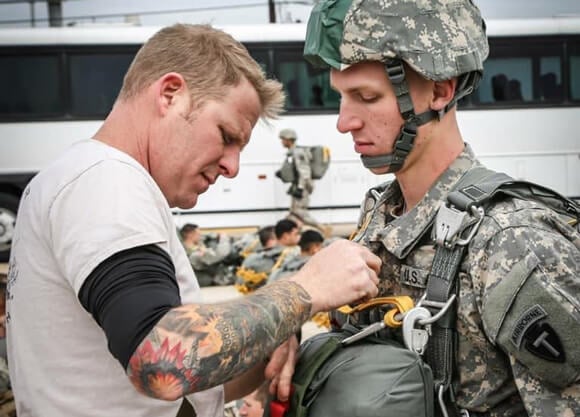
x=442, y=345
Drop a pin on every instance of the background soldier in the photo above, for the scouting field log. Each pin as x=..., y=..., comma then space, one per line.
x=298, y=162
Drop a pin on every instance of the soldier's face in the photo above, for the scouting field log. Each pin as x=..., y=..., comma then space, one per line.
x=368, y=108
x=251, y=407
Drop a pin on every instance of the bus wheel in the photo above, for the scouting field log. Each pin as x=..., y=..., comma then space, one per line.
x=8, y=208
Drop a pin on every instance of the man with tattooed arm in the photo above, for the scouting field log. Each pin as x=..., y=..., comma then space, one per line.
x=104, y=316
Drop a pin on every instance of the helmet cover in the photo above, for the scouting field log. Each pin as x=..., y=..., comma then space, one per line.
x=439, y=39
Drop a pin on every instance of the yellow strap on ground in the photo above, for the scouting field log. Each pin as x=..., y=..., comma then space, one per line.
x=402, y=303
x=250, y=276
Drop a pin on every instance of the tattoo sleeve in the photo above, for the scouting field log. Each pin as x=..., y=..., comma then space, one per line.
x=196, y=347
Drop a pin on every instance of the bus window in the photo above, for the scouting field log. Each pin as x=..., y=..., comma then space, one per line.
x=574, y=72
x=30, y=85
x=306, y=88
x=506, y=79
x=95, y=81
x=261, y=56
x=550, y=82
x=521, y=72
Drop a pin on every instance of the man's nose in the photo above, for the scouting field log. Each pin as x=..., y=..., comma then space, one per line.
x=230, y=162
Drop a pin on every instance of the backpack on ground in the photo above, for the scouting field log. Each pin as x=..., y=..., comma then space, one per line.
x=368, y=376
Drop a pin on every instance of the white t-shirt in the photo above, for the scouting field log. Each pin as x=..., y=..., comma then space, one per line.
x=90, y=204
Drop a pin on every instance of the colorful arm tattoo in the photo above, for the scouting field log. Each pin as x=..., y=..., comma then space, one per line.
x=196, y=347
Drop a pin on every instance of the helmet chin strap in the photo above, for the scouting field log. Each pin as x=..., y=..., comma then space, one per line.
x=404, y=142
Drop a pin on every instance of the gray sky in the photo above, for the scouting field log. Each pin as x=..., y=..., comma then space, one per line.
x=155, y=12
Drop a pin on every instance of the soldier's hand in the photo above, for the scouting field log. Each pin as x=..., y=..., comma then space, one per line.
x=342, y=273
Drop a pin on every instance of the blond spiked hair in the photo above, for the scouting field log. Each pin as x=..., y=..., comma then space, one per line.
x=208, y=59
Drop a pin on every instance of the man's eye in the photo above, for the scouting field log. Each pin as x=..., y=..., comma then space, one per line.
x=226, y=138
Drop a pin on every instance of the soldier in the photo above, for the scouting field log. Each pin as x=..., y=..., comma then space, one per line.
x=400, y=67
x=253, y=405
x=310, y=242
x=207, y=255
x=190, y=236
x=257, y=267
x=298, y=162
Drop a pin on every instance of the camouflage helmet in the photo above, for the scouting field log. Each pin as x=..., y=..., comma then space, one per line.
x=439, y=39
x=288, y=134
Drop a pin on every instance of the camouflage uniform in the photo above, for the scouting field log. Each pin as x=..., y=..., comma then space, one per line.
x=300, y=202
x=206, y=261
x=513, y=233
x=256, y=268
x=290, y=265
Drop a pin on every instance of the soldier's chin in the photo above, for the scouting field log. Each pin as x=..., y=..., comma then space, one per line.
x=380, y=170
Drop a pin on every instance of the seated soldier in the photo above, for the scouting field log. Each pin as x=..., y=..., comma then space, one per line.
x=310, y=242
x=190, y=236
x=206, y=254
x=254, y=271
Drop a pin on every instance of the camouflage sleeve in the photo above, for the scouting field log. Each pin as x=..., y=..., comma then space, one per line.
x=302, y=161
x=530, y=307
x=203, y=256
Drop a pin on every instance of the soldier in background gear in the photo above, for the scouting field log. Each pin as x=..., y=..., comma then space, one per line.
x=310, y=242
x=253, y=405
x=257, y=267
x=302, y=185
x=210, y=259
x=400, y=67
x=190, y=236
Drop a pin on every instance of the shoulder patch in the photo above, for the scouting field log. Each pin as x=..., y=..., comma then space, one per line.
x=543, y=341
x=525, y=321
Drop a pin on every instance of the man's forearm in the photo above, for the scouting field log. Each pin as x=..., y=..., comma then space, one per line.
x=196, y=347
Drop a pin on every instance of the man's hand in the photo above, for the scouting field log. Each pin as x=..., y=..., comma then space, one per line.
x=280, y=368
x=342, y=273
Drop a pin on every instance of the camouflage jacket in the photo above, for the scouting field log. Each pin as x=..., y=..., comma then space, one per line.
x=202, y=256
x=290, y=265
x=256, y=268
x=514, y=235
x=301, y=157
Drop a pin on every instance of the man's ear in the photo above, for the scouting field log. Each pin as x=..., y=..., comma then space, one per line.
x=172, y=91
x=443, y=92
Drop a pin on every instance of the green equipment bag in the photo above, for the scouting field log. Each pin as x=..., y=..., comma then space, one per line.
x=319, y=161
x=367, y=378
x=287, y=173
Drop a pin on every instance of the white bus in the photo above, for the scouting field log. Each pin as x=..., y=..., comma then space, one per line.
x=57, y=85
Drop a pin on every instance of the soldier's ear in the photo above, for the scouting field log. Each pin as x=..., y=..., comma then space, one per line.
x=442, y=93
